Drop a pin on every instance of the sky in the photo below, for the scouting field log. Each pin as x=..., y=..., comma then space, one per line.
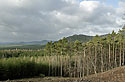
x=36, y=20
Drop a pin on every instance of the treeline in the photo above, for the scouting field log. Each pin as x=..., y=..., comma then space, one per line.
x=20, y=53
x=26, y=47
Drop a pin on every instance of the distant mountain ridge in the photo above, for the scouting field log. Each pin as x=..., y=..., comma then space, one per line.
x=81, y=38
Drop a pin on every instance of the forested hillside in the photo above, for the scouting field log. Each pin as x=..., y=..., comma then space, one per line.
x=81, y=38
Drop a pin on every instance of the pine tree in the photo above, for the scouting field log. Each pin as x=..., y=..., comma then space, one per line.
x=109, y=39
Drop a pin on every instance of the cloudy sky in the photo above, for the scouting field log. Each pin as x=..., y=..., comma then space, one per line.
x=32, y=20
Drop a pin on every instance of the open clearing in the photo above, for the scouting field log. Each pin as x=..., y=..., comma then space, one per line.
x=114, y=75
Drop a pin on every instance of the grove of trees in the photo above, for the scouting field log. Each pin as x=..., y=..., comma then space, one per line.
x=98, y=55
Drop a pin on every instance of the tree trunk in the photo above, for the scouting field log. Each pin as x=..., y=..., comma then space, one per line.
x=69, y=62
x=75, y=68
x=116, y=56
x=113, y=55
x=120, y=58
x=123, y=54
x=109, y=56
x=55, y=65
x=49, y=66
x=95, y=60
x=87, y=67
x=61, y=64
x=83, y=74
x=101, y=59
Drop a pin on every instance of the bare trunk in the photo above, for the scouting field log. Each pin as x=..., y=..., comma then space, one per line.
x=123, y=54
x=75, y=69
x=61, y=64
x=58, y=64
x=52, y=66
x=113, y=55
x=116, y=56
x=95, y=60
x=83, y=63
x=70, y=73
x=101, y=60
x=49, y=65
x=120, y=55
x=55, y=65
x=109, y=57
x=87, y=67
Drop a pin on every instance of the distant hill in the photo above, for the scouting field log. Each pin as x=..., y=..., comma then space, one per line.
x=23, y=45
x=43, y=42
x=81, y=38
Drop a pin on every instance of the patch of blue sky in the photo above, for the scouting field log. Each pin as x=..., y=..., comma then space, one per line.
x=113, y=3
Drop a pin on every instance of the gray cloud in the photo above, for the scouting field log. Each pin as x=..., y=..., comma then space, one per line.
x=28, y=20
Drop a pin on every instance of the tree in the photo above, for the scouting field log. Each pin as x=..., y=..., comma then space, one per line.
x=109, y=39
x=120, y=52
x=113, y=44
x=95, y=41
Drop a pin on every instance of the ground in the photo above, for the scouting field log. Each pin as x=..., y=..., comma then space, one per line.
x=114, y=75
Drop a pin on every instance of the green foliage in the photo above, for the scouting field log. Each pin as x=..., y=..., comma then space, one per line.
x=22, y=67
x=20, y=53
